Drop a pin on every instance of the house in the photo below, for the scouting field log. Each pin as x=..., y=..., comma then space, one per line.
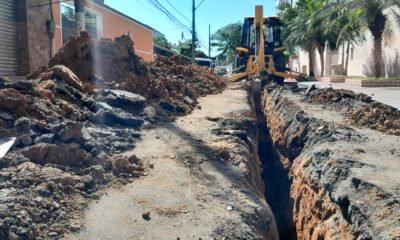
x=360, y=57
x=31, y=31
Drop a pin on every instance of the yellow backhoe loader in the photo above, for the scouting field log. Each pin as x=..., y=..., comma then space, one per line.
x=261, y=55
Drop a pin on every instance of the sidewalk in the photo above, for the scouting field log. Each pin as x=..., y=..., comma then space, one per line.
x=387, y=95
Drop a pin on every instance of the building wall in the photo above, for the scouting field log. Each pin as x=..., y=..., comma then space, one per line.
x=22, y=38
x=38, y=39
x=114, y=25
x=34, y=44
x=360, y=57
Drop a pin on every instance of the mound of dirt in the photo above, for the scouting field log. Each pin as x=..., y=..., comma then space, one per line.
x=72, y=120
x=113, y=64
x=359, y=109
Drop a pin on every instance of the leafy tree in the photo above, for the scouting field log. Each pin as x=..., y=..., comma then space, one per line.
x=184, y=47
x=226, y=40
x=303, y=28
x=371, y=14
x=162, y=42
x=343, y=29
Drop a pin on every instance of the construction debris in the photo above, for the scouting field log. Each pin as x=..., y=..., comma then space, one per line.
x=71, y=121
x=360, y=109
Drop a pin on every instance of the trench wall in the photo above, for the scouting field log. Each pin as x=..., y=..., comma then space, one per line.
x=328, y=201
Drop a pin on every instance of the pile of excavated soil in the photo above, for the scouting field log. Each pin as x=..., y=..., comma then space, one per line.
x=113, y=64
x=359, y=109
x=73, y=120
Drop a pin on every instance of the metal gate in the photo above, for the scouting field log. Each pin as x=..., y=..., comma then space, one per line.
x=8, y=38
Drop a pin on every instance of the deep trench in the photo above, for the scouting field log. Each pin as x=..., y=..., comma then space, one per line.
x=275, y=177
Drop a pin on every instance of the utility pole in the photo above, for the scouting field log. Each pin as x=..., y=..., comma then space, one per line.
x=209, y=40
x=79, y=16
x=194, y=31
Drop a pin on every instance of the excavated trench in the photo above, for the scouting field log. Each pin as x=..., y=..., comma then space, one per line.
x=276, y=178
x=321, y=177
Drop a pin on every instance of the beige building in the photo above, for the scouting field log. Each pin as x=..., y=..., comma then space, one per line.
x=360, y=58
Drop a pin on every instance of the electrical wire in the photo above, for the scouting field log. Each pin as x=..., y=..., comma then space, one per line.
x=200, y=4
x=177, y=10
x=169, y=15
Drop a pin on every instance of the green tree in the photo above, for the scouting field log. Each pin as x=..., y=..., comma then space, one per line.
x=162, y=42
x=371, y=14
x=226, y=40
x=184, y=47
x=303, y=28
x=343, y=29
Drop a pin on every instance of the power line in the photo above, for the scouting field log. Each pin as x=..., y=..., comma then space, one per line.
x=169, y=15
x=177, y=10
x=140, y=2
x=200, y=4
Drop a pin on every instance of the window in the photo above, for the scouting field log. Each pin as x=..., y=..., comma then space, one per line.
x=93, y=22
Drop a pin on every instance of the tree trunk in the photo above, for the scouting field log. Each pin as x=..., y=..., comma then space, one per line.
x=311, y=60
x=346, y=68
x=378, y=59
x=377, y=26
x=79, y=16
x=321, y=50
x=343, y=48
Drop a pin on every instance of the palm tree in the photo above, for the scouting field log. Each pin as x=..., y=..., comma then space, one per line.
x=371, y=14
x=342, y=28
x=303, y=28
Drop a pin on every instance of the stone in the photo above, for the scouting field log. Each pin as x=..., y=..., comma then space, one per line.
x=23, y=125
x=68, y=76
x=52, y=234
x=103, y=105
x=123, y=99
x=146, y=215
x=11, y=99
x=62, y=154
x=6, y=116
x=24, y=86
x=25, y=140
x=69, y=131
x=45, y=138
x=113, y=118
x=120, y=165
x=150, y=112
x=188, y=100
x=45, y=94
x=167, y=106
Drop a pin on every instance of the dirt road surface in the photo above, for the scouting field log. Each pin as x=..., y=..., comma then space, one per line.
x=189, y=192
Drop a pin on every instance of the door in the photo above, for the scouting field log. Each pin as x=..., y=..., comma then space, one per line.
x=8, y=38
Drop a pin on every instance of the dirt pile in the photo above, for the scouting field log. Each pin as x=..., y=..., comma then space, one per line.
x=72, y=120
x=172, y=84
x=359, y=109
x=64, y=152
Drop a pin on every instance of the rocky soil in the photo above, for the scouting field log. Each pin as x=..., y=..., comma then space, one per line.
x=359, y=109
x=344, y=179
x=205, y=181
x=73, y=124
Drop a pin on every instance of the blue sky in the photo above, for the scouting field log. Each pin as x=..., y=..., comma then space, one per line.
x=218, y=13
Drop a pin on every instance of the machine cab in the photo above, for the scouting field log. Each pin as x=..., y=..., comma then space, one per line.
x=272, y=35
